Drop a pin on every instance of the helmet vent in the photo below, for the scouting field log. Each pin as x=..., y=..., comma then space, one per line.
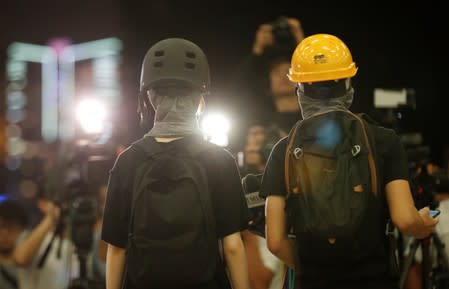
x=190, y=54
x=158, y=64
x=159, y=53
x=190, y=65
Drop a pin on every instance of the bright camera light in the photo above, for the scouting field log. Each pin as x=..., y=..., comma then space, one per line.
x=216, y=127
x=91, y=114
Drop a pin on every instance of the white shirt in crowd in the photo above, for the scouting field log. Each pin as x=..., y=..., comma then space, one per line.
x=56, y=273
x=271, y=262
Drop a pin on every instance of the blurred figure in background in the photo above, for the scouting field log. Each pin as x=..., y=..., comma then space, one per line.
x=13, y=221
x=265, y=270
x=54, y=272
x=440, y=194
x=260, y=82
x=442, y=197
x=259, y=142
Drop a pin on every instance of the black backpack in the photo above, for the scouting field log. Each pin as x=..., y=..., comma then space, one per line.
x=172, y=241
x=332, y=204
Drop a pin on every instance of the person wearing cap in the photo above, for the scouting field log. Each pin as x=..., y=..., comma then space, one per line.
x=322, y=68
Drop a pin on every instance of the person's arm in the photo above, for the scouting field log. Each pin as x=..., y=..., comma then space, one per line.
x=278, y=242
x=260, y=276
x=235, y=257
x=404, y=214
x=115, y=267
x=25, y=252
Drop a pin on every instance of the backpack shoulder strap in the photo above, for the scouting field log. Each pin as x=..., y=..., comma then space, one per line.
x=367, y=118
x=290, y=141
x=371, y=160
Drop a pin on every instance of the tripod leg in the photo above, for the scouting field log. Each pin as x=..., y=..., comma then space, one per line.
x=442, y=256
x=408, y=263
x=441, y=276
x=427, y=265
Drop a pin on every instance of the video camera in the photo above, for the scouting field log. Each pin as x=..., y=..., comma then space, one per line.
x=281, y=30
x=66, y=186
x=396, y=109
x=284, y=40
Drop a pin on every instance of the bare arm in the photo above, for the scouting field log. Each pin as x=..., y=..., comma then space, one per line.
x=404, y=214
x=115, y=265
x=235, y=256
x=278, y=242
x=259, y=276
x=26, y=251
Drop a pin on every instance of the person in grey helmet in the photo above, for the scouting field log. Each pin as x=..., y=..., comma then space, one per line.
x=175, y=205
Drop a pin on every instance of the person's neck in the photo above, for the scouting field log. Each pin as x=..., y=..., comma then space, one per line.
x=286, y=103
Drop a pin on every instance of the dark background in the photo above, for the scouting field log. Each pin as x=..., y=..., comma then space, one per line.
x=395, y=43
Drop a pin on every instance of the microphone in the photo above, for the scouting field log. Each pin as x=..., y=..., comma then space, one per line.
x=251, y=185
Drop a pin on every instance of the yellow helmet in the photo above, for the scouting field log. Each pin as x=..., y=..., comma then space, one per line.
x=321, y=57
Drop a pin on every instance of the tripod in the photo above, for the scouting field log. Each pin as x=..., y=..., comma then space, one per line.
x=434, y=277
x=82, y=237
x=83, y=282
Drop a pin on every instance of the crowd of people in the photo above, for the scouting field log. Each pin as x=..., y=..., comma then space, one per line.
x=174, y=214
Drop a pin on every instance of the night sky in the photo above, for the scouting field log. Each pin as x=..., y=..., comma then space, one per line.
x=394, y=45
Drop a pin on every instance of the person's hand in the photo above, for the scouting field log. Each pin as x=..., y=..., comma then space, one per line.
x=428, y=222
x=296, y=29
x=50, y=210
x=264, y=38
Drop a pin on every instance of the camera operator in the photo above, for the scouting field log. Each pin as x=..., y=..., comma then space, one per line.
x=260, y=81
x=56, y=253
x=54, y=273
x=440, y=198
x=13, y=220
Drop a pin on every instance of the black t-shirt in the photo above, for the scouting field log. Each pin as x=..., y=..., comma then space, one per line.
x=231, y=211
x=391, y=161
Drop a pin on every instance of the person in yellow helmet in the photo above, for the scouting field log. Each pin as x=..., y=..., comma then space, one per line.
x=334, y=183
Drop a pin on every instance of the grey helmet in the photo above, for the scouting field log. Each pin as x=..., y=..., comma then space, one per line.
x=173, y=60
